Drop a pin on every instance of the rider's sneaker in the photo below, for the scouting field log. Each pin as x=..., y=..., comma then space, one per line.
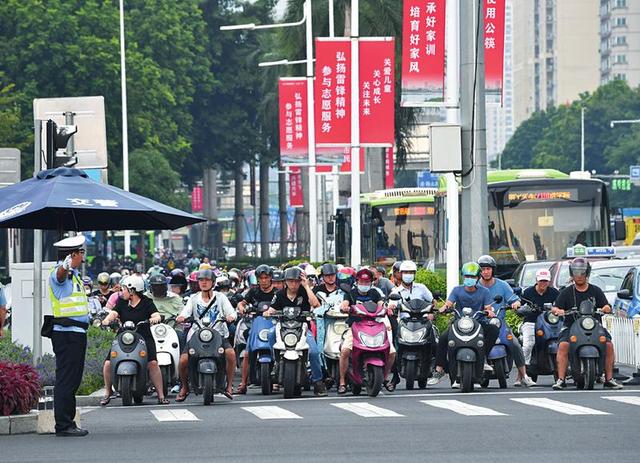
x=319, y=389
x=436, y=377
x=517, y=383
x=559, y=385
x=175, y=389
x=455, y=385
x=528, y=382
x=612, y=384
x=488, y=367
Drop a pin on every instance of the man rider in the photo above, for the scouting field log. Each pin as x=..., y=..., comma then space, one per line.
x=168, y=303
x=278, y=279
x=408, y=288
x=217, y=307
x=572, y=296
x=260, y=295
x=298, y=293
x=476, y=297
x=380, y=281
x=396, y=278
x=103, y=293
x=498, y=287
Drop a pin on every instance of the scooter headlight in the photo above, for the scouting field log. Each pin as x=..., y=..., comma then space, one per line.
x=339, y=328
x=290, y=340
x=160, y=331
x=372, y=341
x=465, y=325
x=128, y=338
x=588, y=323
x=552, y=318
x=412, y=336
x=495, y=322
x=206, y=335
x=263, y=335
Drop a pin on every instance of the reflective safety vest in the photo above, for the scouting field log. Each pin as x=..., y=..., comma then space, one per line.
x=74, y=305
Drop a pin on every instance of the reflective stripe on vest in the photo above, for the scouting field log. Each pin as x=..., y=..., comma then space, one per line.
x=74, y=305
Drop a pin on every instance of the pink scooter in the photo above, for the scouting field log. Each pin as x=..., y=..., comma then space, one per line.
x=370, y=352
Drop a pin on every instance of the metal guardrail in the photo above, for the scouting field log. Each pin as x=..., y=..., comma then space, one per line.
x=625, y=336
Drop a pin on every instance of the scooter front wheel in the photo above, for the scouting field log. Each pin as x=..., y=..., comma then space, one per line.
x=589, y=372
x=410, y=374
x=498, y=368
x=126, y=383
x=265, y=378
x=166, y=379
x=374, y=380
x=467, y=376
x=289, y=381
x=207, y=389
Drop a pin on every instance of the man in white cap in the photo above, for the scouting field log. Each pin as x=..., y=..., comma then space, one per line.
x=70, y=309
x=539, y=294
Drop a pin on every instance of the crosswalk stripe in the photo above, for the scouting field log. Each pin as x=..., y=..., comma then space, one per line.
x=625, y=399
x=272, y=413
x=561, y=407
x=366, y=410
x=462, y=408
x=178, y=414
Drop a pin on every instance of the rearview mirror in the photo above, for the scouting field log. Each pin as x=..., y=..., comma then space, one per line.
x=394, y=297
x=624, y=294
x=498, y=299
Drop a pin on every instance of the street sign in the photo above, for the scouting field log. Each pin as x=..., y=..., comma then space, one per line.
x=426, y=179
x=90, y=143
x=634, y=174
x=9, y=166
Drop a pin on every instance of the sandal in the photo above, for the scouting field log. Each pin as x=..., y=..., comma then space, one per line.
x=342, y=389
x=240, y=390
x=182, y=396
x=164, y=401
x=389, y=386
x=275, y=388
x=228, y=395
x=105, y=401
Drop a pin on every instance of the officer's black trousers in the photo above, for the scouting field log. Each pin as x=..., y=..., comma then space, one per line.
x=69, y=348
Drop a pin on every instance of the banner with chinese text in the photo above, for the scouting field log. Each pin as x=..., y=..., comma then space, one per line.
x=377, y=91
x=196, y=199
x=296, y=198
x=294, y=140
x=388, y=168
x=494, y=17
x=423, y=51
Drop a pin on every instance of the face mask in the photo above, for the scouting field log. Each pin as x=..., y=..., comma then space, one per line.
x=364, y=288
x=469, y=282
x=408, y=278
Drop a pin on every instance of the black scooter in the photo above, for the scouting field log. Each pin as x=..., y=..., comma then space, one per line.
x=587, y=345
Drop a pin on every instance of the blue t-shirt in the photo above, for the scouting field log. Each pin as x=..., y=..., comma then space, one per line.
x=476, y=300
x=64, y=289
x=502, y=288
x=3, y=299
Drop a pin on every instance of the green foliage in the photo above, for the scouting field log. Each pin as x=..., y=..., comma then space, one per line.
x=435, y=281
x=514, y=321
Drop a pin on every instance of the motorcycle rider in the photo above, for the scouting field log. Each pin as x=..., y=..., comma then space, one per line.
x=476, y=297
x=298, y=293
x=168, y=303
x=215, y=305
x=396, y=278
x=539, y=294
x=364, y=291
x=380, y=281
x=408, y=289
x=94, y=304
x=572, y=296
x=498, y=287
x=263, y=292
x=114, y=280
x=104, y=292
x=178, y=282
x=278, y=279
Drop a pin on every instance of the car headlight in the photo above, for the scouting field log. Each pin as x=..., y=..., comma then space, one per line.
x=264, y=335
x=412, y=336
x=290, y=340
x=161, y=331
x=465, y=325
x=552, y=318
x=206, y=335
x=372, y=341
x=128, y=338
x=588, y=323
x=495, y=322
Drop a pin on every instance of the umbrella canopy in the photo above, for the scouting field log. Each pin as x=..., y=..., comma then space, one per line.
x=67, y=199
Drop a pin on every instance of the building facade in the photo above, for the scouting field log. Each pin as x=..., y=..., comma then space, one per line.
x=620, y=41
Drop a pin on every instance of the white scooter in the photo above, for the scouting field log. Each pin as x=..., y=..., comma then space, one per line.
x=334, y=324
x=167, y=353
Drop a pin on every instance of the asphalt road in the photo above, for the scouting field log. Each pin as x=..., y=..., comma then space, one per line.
x=437, y=424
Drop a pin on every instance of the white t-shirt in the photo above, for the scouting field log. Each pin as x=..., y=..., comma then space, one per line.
x=219, y=310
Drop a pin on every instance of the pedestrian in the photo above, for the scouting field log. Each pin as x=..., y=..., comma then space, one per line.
x=70, y=309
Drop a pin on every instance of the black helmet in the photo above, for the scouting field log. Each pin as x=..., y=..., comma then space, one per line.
x=176, y=272
x=278, y=275
x=205, y=274
x=396, y=266
x=264, y=269
x=292, y=273
x=487, y=261
x=178, y=280
x=157, y=279
x=328, y=269
x=579, y=266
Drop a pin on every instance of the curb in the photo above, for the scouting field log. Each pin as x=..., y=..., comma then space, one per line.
x=19, y=424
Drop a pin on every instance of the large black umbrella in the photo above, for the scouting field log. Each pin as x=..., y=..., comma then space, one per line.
x=67, y=199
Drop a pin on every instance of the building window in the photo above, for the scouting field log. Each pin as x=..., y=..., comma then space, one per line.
x=620, y=40
x=620, y=76
x=621, y=59
x=620, y=3
x=621, y=22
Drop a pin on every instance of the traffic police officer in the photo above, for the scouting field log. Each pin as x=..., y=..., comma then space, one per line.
x=69, y=336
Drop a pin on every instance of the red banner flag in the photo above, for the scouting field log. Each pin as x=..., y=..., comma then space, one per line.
x=346, y=163
x=377, y=91
x=196, y=199
x=494, y=13
x=296, y=198
x=332, y=93
x=423, y=51
x=388, y=168
x=294, y=140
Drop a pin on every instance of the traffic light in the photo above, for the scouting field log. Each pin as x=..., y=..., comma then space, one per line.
x=621, y=184
x=57, y=139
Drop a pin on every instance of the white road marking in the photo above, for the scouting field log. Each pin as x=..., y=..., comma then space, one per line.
x=367, y=410
x=560, y=407
x=179, y=414
x=462, y=408
x=272, y=413
x=625, y=399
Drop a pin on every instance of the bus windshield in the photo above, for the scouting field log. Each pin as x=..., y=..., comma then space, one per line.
x=540, y=222
x=403, y=231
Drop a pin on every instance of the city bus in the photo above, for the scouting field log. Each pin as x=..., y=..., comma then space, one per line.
x=396, y=224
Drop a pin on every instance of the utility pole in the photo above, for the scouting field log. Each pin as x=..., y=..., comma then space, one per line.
x=475, y=231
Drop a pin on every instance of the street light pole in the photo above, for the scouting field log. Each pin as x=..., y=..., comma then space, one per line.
x=582, y=139
x=613, y=123
x=125, y=132
x=355, y=138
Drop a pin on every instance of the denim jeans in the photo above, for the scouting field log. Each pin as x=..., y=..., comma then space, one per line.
x=314, y=358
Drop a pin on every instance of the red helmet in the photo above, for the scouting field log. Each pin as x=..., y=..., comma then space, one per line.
x=193, y=276
x=348, y=271
x=364, y=274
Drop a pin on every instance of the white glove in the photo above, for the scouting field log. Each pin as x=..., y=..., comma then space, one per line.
x=67, y=263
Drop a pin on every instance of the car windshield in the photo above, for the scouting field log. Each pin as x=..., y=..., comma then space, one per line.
x=527, y=275
x=608, y=278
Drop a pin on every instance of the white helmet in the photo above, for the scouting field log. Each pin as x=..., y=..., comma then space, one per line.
x=134, y=282
x=408, y=266
x=310, y=271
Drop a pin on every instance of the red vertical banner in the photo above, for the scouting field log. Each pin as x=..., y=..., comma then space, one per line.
x=423, y=51
x=332, y=95
x=377, y=91
x=346, y=162
x=196, y=199
x=294, y=140
x=494, y=14
x=388, y=168
x=295, y=187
